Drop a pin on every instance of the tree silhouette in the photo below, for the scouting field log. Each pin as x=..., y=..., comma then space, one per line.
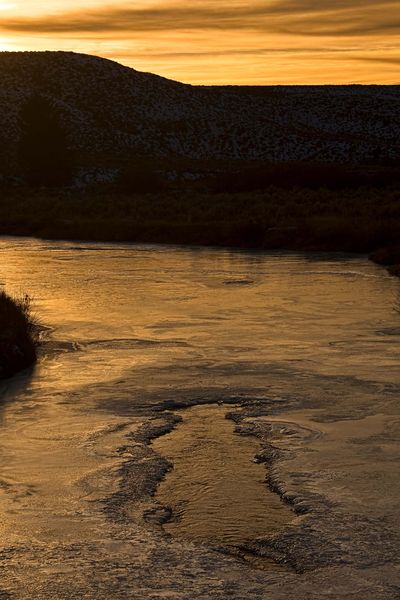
x=44, y=155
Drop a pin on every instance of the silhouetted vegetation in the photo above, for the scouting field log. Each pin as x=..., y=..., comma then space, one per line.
x=360, y=220
x=18, y=334
x=295, y=206
x=141, y=178
x=388, y=256
x=310, y=175
x=44, y=155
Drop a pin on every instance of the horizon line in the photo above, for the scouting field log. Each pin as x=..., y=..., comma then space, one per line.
x=207, y=85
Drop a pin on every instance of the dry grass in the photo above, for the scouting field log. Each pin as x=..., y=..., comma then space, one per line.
x=19, y=334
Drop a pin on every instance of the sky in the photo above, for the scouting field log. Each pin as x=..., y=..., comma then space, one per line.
x=258, y=42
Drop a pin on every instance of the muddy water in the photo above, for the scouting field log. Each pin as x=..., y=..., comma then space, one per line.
x=216, y=490
x=132, y=328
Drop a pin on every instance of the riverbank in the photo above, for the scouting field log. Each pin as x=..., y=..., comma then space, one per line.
x=362, y=220
x=18, y=335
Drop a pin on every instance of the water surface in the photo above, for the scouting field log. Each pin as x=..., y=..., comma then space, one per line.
x=131, y=327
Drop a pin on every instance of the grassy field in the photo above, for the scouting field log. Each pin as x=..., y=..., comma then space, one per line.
x=18, y=334
x=363, y=219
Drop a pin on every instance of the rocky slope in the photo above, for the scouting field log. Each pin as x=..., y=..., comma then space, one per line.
x=112, y=111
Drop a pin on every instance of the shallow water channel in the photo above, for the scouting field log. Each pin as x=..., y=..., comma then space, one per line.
x=310, y=343
x=217, y=492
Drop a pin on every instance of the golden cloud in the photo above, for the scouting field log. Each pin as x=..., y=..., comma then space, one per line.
x=308, y=17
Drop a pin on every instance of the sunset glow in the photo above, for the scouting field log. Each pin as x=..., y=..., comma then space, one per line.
x=213, y=41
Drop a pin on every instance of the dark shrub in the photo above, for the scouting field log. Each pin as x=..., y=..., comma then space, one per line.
x=389, y=255
x=18, y=334
x=44, y=154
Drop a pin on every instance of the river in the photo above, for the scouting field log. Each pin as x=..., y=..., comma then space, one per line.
x=303, y=351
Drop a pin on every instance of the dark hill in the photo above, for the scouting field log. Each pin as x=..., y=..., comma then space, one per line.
x=112, y=112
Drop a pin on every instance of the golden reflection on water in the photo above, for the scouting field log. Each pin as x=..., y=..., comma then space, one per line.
x=224, y=305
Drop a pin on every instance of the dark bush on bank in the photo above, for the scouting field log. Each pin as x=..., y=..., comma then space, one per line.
x=388, y=256
x=18, y=334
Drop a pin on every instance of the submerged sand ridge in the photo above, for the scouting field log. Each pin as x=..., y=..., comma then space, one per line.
x=216, y=489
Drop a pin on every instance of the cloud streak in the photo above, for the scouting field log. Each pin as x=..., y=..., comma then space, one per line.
x=226, y=52
x=308, y=17
x=388, y=60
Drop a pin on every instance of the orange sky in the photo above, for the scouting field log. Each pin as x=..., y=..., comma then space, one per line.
x=215, y=41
